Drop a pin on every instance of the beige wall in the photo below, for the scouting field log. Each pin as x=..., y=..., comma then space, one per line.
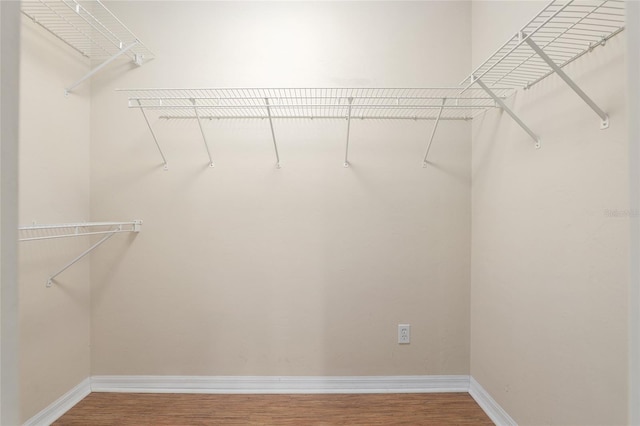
x=54, y=188
x=549, y=282
x=307, y=270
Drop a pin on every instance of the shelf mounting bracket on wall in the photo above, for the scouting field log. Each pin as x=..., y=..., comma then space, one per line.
x=144, y=114
x=508, y=110
x=79, y=230
x=433, y=132
x=346, y=151
x=102, y=65
x=273, y=133
x=604, y=124
x=204, y=138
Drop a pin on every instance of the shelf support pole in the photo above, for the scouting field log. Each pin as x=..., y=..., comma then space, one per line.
x=164, y=160
x=604, y=124
x=273, y=133
x=433, y=132
x=204, y=138
x=99, y=67
x=513, y=115
x=346, y=151
x=83, y=254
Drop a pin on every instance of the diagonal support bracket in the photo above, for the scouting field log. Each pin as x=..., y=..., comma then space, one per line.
x=164, y=160
x=506, y=109
x=204, y=138
x=433, y=132
x=99, y=67
x=83, y=254
x=604, y=124
x=346, y=151
x=273, y=133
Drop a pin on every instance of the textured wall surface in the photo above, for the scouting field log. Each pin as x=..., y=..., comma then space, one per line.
x=54, y=188
x=245, y=269
x=550, y=244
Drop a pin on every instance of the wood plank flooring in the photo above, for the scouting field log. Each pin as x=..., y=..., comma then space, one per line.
x=125, y=409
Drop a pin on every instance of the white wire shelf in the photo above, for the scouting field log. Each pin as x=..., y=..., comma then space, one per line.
x=64, y=230
x=88, y=27
x=564, y=30
x=314, y=103
x=436, y=104
x=67, y=230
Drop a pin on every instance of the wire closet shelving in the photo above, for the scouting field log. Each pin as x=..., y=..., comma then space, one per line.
x=312, y=103
x=67, y=230
x=88, y=27
x=562, y=32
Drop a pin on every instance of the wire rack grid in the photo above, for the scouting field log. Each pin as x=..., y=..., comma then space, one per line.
x=312, y=103
x=87, y=26
x=565, y=30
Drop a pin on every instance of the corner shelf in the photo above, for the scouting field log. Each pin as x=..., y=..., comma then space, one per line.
x=312, y=103
x=88, y=27
x=559, y=34
x=66, y=230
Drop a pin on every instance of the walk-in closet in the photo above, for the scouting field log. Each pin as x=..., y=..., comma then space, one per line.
x=310, y=211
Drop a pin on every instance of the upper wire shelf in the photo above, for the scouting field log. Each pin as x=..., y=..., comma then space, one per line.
x=564, y=30
x=90, y=28
x=87, y=26
x=312, y=103
x=436, y=104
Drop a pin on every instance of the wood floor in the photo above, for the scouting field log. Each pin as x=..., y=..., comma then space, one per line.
x=124, y=409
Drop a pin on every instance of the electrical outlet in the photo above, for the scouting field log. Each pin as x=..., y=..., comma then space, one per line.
x=404, y=334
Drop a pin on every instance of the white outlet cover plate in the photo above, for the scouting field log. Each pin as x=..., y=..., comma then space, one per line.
x=404, y=334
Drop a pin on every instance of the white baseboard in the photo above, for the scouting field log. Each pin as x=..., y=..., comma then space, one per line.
x=280, y=384
x=273, y=385
x=495, y=412
x=60, y=406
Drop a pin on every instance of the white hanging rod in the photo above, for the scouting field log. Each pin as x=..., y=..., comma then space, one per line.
x=315, y=106
x=312, y=117
x=290, y=98
x=88, y=27
x=80, y=229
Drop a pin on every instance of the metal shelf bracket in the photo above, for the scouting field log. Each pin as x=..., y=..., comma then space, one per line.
x=273, y=133
x=204, y=138
x=346, y=151
x=433, y=132
x=102, y=65
x=144, y=114
x=604, y=123
x=508, y=110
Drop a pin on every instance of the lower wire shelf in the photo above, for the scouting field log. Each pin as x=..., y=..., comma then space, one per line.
x=68, y=230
